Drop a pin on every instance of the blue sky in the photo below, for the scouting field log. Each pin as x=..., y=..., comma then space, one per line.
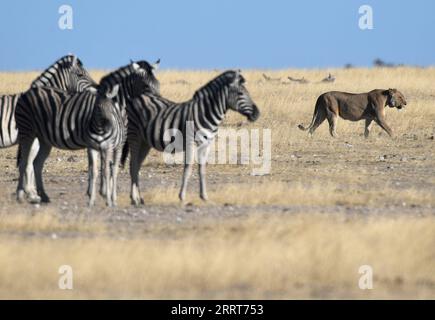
x=207, y=34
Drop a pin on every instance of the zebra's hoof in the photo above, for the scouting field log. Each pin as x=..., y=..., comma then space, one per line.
x=137, y=201
x=45, y=199
x=33, y=199
x=204, y=197
x=21, y=196
x=181, y=196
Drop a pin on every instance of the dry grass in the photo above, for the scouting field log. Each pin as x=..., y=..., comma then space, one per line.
x=280, y=193
x=298, y=256
x=271, y=241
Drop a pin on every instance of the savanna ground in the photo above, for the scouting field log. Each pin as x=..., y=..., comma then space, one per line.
x=327, y=207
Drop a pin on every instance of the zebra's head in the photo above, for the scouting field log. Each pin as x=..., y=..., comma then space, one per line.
x=238, y=97
x=105, y=99
x=153, y=85
x=133, y=80
x=106, y=105
x=67, y=73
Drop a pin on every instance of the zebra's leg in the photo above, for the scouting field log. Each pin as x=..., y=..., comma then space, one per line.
x=203, y=152
x=107, y=157
x=115, y=170
x=103, y=182
x=91, y=165
x=138, y=152
x=29, y=178
x=26, y=168
x=93, y=156
x=38, y=165
x=31, y=175
x=188, y=163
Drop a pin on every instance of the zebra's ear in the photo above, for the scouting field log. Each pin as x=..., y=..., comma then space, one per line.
x=92, y=90
x=238, y=78
x=135, y=66
x=241, y=79
x=156, y=64
x=112, y=94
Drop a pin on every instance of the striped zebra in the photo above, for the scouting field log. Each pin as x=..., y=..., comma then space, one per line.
x=67, y=73
x=151, y=116
x=121, y=76
x=93, y=120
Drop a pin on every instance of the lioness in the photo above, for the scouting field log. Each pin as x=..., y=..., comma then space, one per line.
x=354, y=107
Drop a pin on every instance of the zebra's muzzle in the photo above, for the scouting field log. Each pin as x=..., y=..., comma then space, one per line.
x=254, y=114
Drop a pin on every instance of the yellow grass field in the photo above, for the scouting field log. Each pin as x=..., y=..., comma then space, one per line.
x=328, y=207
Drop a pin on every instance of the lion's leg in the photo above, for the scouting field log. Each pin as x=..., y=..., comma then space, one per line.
x=332, y=119
x=368, y=127
x=383, y=124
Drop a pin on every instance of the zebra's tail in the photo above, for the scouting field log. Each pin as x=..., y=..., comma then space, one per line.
x=18, y=155
x=124, y=155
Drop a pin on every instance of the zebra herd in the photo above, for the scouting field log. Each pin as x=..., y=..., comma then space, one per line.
x=123, y=113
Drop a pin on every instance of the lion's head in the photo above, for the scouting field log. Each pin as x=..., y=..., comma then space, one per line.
x=395, y=99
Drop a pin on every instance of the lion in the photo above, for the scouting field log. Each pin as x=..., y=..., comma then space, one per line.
x=354, y=107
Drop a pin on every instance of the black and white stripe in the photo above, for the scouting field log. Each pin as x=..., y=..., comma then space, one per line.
x=8, y=129
x=75, y=121
x=151, y=116
x=67, y=73
x=131, y=86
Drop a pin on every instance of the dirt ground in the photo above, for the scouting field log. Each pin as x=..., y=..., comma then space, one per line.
x=327, y=207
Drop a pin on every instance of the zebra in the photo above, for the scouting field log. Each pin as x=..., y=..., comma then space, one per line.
x=126, y=94
x=67, y=73
x=93, y=120
x=150, y=117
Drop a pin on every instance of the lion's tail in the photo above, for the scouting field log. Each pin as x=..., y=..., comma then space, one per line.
x=316, y=110
x=301, y=126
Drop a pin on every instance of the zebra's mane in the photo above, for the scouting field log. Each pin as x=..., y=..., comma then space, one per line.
x=145, y=65
x=126, y=71
x=221, y=81
x=48, y=73
x=121, y=75
x=117, y=75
